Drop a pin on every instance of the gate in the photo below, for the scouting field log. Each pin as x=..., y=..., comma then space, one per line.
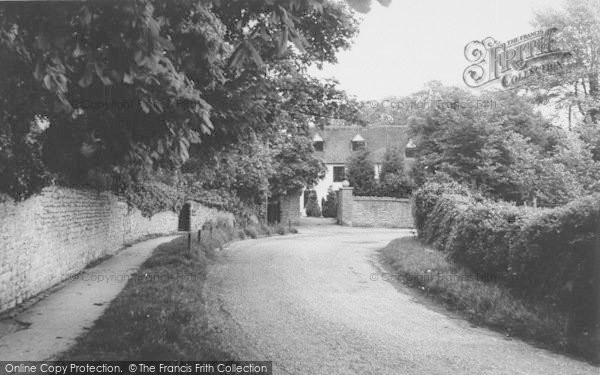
x=274, y=212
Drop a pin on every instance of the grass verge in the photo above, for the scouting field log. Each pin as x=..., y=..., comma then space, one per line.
x=160, y=314
x=481, y=301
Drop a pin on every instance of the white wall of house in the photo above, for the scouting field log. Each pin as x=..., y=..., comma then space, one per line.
x=323, y=186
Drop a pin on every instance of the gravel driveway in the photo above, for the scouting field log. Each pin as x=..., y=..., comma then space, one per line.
x=308, y=302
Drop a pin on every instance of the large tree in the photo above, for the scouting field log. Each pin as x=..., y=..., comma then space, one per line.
x=97, y=88
x=576, y=87
x=500, y=145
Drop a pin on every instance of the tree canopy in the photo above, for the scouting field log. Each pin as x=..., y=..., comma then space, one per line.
x=96, y=91
x=505, y=148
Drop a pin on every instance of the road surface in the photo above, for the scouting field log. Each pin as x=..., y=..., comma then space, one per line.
x=308, y=303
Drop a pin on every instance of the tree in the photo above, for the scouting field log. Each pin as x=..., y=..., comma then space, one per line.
x=393, y=162
x=330, y=204
x=361, y=173
x=393, y=182
x=507, y=151
x=120, y=87
x=312, y=207
x=577, y=86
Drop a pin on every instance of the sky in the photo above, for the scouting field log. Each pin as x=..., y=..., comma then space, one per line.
x=412, y=42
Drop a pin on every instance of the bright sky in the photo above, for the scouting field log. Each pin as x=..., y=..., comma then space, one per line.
x=412, y=42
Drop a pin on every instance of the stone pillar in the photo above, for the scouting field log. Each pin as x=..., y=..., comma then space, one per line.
x=290, y=208
x=344, y=206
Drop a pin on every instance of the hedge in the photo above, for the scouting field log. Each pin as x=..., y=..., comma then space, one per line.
x=543, y=255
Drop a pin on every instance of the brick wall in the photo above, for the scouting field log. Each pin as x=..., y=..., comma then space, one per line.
x=54, y=235
x=373, y=211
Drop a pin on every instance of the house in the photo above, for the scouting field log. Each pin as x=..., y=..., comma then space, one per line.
x=335, y=144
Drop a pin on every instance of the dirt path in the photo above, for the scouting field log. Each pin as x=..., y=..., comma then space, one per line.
x=308, y=303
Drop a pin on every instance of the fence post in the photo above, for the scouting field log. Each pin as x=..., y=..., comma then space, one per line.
x=189, y=242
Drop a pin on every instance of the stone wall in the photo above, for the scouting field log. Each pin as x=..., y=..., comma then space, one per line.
x=382, y=212
x=373, y=211
x=54, y=235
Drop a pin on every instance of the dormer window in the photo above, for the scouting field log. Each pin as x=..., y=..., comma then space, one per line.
x=358, y=142
x=410, y=150
x=318, y=142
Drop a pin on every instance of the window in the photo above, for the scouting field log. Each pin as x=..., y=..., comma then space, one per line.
x=358, y=145
x=410, y=150
x=358, y=142
x=318, y=142
x=339, y=174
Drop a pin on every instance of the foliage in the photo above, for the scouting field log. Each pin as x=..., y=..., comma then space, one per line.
x=330, y=204
x=575, y=87
x=312, y=206
x=120, y=87
x=395, y=185
x=393, y=162
x=506, y=150
x=393, y=179
x=153, y=197
x=294, y=165
x=427, y=197
x=251, y=232
x=361, y=172
x=544, y=255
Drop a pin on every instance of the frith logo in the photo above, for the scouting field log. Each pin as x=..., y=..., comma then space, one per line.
x=512, y=62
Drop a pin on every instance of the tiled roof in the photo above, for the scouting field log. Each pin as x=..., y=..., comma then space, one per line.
x=337, y=141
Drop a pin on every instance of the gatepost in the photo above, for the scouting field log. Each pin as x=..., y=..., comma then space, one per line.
x=345, y=202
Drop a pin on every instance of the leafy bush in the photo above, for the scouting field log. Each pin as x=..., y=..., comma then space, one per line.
x=330, y=204
x=543, y=255
x=393, y=182
x=425, y=199
x=482, y=235
x=153, y=197
x=312, y=207
x=552, y=256
x=361, y=173
x=266, y=230
x=224, y=220
x=251, y=232
x=444, y=215
x=395, y=185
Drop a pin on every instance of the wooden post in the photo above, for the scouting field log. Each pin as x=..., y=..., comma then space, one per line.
x=189, y=242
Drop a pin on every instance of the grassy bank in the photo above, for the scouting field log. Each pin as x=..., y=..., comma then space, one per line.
x=160, y=314
x=478, y=298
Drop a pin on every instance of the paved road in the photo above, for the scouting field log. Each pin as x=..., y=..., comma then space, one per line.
x=307, y=303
